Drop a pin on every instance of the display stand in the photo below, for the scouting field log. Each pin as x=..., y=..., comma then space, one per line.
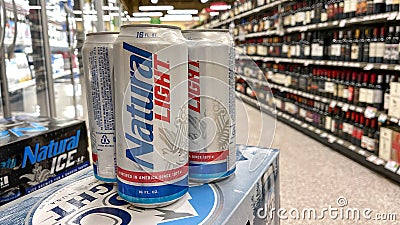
x=244, y=199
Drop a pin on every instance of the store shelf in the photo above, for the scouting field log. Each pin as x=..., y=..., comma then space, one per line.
x=306, y=62
x=316, y=97
x=365, y=158
x=29, y=83
x=257, y=34
x=217, y=23
x=346, y=22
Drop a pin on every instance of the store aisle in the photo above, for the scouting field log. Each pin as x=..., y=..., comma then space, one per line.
x=315, y=176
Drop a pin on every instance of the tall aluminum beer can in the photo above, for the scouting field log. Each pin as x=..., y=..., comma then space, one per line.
x=98, y=63
x=151, y=114
x=212, y=152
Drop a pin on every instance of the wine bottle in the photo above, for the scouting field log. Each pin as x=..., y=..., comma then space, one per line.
x=380, y=46
x=357, y=89
x=335, y=47
x=379, y=6
x=362, y=99
x=373, y=46
x=355, y=55
x=394, y=57
x=388, y=46
x=366, y=45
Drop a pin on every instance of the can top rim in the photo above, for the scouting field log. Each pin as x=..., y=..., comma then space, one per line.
x=101, y=33
x=204, y=30
x=151, y=25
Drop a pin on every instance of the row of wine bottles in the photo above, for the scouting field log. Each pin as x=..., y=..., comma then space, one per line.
x=373, y=45
x=342, y=121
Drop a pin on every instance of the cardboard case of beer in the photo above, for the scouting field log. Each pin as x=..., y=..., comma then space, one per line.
x=37, y=151
x=249, y=197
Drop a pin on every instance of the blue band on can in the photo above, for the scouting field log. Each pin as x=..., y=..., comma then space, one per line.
x=208, y=168
x=153, y=194
x=107, y=180
x=210, y=176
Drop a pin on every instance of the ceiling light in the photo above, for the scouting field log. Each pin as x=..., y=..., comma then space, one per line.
x=183, y=11
x=35, y=7
x=220, y=7
x=214, y=13
x=203, y=1
x=156, y=7
x=110, y=8
x=147, y=14
x=140, y=19
x=154, y=1
x=176, y=18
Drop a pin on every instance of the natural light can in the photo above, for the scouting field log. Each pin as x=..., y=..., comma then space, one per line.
x=99, y=63
x=151, y=114
x=212, y=154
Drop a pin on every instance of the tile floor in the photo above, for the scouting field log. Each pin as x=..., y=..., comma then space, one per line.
x=315, y=176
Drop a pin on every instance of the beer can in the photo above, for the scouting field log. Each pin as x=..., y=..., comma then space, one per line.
x=98, y=66
x=212, y=154
x=151, y=114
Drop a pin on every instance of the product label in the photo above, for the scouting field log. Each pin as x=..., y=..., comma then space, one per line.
x=329, y=87
x=324, y=17
x=363, y=95
x=354, y=52
x=314, y=49
x=387, y=101
x=328, y=123
x=395, y=52
x=345, y=93
x=369, y=98
x=372, y=50
x=346, y=8
x=377, y=96
x=350, y=129
x=285, y=48
x=345, y=128
x=307, y=50
x=335, y=50
x=380, y=50
x=353, y=5
x=364, y=141
x=378, y=1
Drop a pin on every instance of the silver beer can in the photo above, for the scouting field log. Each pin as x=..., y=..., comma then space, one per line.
x=151, y=114
x=98, y=63
x=211, y=80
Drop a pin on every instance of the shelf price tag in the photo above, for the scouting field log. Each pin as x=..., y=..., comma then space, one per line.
x=392, y=16
x=342, y=23
x=311, y=128
x=394, y=120
x=340, y=142
x=331, y=139
x=384, y=66
x=369, y=66
x=318, y=131
x=379, y=161
x=362, y=152
x=372, y=158
x=345, y=107
x=397, y=67
x=352, y=147
x=392, y=166
x=324, y=135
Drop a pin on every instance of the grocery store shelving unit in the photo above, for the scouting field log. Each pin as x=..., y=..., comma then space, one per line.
x=389, y=169
x=369, y=160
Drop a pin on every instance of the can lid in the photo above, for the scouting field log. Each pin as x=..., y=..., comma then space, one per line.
x=101, y=33
x=152, y=25
x=204, y=30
